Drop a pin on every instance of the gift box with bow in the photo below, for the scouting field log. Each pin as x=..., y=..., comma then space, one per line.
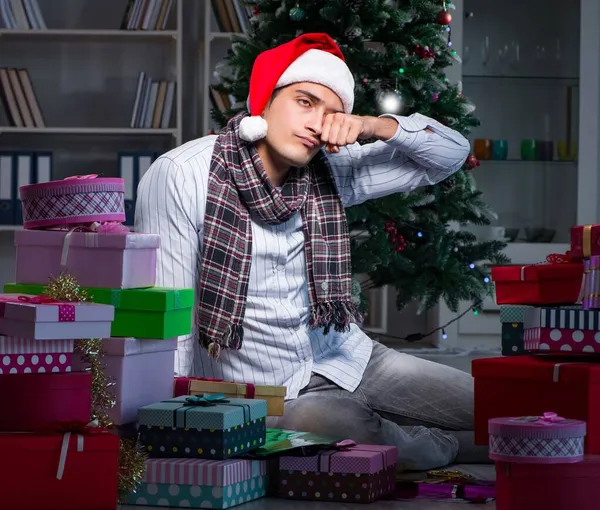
x=153, y=313
x=201, y=483
x=273, y=395
x=207, y=426
x=64, y=466
x=344, y=471
x=113, y=260
x=531, y=384
x=44, y=318
x=558, y=281
x=27, y=356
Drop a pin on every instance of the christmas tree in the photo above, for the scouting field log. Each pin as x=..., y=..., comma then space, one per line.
x=398, y=52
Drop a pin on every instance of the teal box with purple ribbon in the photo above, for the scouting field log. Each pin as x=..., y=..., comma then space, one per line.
x=203, y=426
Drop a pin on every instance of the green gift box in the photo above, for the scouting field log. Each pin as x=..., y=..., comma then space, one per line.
x=154, y=312
x=206, y=427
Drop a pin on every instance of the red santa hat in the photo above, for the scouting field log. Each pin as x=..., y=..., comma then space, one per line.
x=314, y=58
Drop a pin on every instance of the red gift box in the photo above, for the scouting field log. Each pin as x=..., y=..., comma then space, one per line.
x=531, y=385
x=548, y=486
x=540, y=284
x=31, y=476
x=585, y=241
x=31, y=402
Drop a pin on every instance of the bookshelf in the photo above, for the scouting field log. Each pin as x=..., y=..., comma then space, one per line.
x=218, y=17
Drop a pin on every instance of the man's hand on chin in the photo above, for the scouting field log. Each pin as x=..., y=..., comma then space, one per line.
x=341, y=129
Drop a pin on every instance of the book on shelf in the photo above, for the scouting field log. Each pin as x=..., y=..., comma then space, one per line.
x=221, y=100
x=153, y=104
x=146, y=14
x=232, y=16
x=19, y=99
x=22, y=15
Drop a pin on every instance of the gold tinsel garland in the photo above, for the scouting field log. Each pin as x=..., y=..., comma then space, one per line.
x=131, y=457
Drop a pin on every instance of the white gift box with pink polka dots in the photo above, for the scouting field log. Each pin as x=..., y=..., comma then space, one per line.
x=26, y=356
x=41, y=318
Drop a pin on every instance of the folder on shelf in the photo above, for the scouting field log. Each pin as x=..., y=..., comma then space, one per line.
x=8, y=163
x=42, y=167
x=132, y=167
x=24, y=175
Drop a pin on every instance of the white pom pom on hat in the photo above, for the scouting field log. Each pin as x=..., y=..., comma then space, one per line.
x=314, y=58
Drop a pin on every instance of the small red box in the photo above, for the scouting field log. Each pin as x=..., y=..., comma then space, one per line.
x=531, y=385
x=30, y=402
x=548, y=486
x=543, y=284
x=29, y=467
x=585, y=241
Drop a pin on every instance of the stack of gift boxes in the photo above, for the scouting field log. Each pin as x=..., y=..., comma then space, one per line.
x=199, y=434
x=551, y=341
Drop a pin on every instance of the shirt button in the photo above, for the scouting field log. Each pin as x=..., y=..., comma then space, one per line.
x=324, y=286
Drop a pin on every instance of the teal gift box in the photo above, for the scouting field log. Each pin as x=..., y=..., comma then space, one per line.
x=513, y=313
x=203, y=426
x=201, y=483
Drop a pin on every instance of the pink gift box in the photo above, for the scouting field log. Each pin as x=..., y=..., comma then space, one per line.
x=142, y=371
x=32, y=317
x=562, y=340
x=548, y=486
x=111, y=261
x=26, y=356
x=547, y=439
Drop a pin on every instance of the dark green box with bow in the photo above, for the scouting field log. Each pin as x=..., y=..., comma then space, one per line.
x=155, y=312
x=204, y=426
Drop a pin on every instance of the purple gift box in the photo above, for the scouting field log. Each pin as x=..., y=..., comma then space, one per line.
x=111, y=261
x=142, y=372
x=346, y=472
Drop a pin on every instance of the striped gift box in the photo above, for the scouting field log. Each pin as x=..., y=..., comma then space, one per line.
x=26, y=356
x=562, y=318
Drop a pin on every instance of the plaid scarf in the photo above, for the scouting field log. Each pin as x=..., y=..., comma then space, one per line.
x=238, y=188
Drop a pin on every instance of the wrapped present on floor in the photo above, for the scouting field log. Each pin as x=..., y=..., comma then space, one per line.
x=151, y=313
x=26, y=356
x=43, y=318
x=273, y=395
x=546, y=439
x=529, y=385
x=142, y=372
x=346, y=471
x=119, y=261
x=201, y=483
x=77, y=200
x=208, y=426
x=512, y=317
x=68, y=466
x=585, y=242
x=556, y=282
x=562, y=329
x=31, y=402
x=548, y=486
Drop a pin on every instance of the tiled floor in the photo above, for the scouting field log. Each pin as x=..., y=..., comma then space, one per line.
x=485, y=472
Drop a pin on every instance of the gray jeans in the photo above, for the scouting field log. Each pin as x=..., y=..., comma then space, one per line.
x=422, y=407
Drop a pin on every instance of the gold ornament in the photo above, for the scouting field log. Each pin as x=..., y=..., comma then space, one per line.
x=131, y=458
x=132, y=466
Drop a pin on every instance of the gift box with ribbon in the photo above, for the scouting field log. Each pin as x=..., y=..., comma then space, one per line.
x=31, y=402
x=545, y=439
x=152, y=313
x=273, y=395
x=344, y=471
x=585, y=241
x=44, y=318
x=558, y=281
x=26, y=356
x=513, y=343
x=111, y=260
x=549, y=486
x=142, y=372
x=66, y=466
x=590, y=292
x=201, y=483
x=72, y=201
x=531, y=384
x=206, y=427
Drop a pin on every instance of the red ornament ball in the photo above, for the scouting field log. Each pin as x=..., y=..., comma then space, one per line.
x=444, y=18
x=472, y=162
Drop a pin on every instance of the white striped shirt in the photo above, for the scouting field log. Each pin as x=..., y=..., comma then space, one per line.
x=279, y=348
